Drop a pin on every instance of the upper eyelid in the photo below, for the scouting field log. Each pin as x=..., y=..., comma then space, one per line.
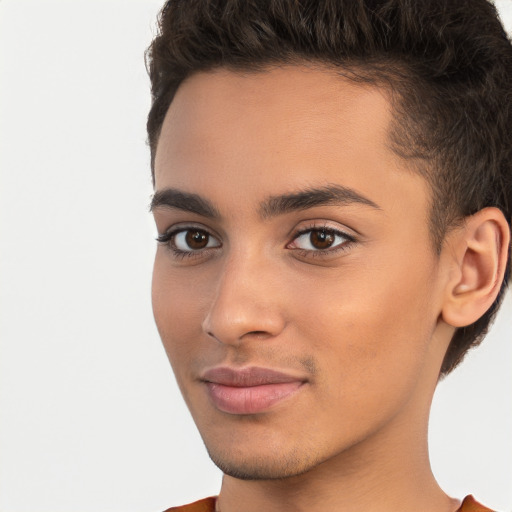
x=315, y=226
x=185, y=226
x=167, y=239
x=325, y=228
x=349, y=240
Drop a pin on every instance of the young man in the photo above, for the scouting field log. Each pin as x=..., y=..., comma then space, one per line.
x=333, y=197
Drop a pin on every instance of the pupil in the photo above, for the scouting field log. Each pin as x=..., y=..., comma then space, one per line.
x=196, y=239
x=321, y=239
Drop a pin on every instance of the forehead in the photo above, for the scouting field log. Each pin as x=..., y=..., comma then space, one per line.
x=279, y=130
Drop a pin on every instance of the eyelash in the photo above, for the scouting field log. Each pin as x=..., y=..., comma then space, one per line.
x=168, y=238
x=319, y=253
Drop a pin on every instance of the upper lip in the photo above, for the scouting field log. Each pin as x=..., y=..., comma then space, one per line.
x=247, y=377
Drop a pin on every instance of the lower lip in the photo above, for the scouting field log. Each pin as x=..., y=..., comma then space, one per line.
x=250, y=400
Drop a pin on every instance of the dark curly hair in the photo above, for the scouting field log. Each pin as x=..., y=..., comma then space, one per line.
x=448, y=65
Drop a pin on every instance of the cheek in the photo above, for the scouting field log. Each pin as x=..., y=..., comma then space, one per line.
x=370, y=324
x=178, y=300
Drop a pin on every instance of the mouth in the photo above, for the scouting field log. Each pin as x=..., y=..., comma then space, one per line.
x=249, y=390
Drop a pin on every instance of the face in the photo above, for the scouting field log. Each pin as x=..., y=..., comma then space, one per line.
x=295, y=287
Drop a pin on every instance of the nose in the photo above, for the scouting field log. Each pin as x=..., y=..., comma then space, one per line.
x=246, y=303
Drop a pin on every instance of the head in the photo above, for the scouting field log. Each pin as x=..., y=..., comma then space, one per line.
x=396, y=115
x=448, y=67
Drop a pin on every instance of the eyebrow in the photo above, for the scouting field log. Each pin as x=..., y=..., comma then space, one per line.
x=330, y=195
x=335, y=195
x=179, y=200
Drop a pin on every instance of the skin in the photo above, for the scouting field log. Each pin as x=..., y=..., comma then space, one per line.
x=364, y=324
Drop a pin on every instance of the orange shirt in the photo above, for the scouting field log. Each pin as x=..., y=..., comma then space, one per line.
x=208, y=505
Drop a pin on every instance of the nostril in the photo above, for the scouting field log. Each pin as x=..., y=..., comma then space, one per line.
x=257, y=333
x=249, y=334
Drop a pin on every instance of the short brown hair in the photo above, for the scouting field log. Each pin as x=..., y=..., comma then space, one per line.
x=448, y=62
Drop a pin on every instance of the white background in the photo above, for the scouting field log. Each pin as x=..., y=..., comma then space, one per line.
x=90, y=416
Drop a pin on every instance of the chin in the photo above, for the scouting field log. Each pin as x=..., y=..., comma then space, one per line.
x=261, y=466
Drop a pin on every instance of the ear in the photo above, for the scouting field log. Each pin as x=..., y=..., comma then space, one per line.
x=478, y=258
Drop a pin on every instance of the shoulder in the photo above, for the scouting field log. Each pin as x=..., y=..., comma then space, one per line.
x=205, y=505
x=470, y=505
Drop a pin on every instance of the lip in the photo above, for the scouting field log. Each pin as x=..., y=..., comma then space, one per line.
x=249, y=390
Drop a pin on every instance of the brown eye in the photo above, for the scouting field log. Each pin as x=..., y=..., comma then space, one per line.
x=321, y=239
x=193, y=239
x=196, y=239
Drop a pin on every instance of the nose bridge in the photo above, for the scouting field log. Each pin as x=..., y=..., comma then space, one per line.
x=245, y=299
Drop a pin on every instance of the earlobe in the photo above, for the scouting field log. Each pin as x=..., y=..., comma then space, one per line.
x=480, y=252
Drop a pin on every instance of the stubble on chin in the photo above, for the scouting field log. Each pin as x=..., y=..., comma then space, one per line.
x=258, y=467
